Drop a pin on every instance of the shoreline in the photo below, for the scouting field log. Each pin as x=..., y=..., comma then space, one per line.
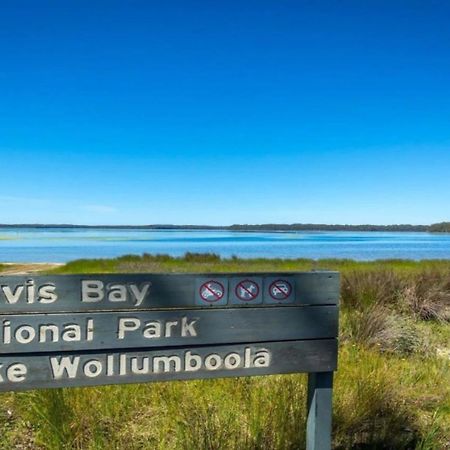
x=26, y=268
x=269, y=227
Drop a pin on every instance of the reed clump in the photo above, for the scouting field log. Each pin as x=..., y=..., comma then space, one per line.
x=428, y=296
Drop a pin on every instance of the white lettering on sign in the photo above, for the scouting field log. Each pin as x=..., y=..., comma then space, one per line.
x=15, y=373
x=93, y=291
x=28, y=293
x=183, y=327
x=48, y=332
x=71, y=367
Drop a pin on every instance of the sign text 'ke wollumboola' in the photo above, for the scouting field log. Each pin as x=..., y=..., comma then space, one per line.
x=84, y=330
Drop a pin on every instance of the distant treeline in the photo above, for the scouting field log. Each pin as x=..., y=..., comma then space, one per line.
x=325, y=227
x=443, y=227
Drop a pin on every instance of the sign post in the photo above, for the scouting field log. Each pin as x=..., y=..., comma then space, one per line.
x=86, y=330
x=319, y=408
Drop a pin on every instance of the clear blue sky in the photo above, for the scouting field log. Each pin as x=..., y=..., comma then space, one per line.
x=220, y=112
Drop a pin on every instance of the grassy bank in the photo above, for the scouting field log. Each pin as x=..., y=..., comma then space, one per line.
x=193, y=262
x=392, y=387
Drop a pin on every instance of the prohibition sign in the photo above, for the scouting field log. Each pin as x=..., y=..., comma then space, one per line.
x=280, y=290
x=211, y=291
x=246, y=290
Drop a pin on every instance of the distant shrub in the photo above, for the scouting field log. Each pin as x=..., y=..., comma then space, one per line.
x=202, y=257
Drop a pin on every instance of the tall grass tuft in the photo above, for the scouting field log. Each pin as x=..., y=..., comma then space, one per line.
x=362, y=288
x=370, y=409
x=428, y=296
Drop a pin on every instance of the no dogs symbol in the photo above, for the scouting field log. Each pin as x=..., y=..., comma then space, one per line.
x=212, y=291
x=280, y=289
x=246, y=290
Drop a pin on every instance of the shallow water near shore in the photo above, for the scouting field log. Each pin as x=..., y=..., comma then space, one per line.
x=65, y=244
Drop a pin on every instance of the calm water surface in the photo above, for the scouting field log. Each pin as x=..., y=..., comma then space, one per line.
x=61, y=245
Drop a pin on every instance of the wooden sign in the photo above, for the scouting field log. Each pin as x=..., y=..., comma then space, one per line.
x=85, y=330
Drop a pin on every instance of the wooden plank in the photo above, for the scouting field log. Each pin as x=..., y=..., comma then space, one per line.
x=26, y=333
x=319, y=407
x=119, y=292
x=320, y=288
x=72, y=369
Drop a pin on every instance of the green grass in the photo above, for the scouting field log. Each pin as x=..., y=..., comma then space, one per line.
x=193, y=262
x=392, y=389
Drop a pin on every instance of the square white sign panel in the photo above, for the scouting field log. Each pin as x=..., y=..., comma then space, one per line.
x=246, y=291
x=211, y=291
x=279, y=290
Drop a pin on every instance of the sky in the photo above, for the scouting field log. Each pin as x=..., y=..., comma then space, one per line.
x=222, y=112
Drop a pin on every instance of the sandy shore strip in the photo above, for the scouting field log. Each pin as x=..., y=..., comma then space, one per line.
x=25, y=268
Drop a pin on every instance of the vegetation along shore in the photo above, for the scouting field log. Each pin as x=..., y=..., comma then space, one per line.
x=392, y=389
x=442, y=227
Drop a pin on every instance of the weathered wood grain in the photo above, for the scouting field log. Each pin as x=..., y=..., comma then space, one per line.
x=166, y=291
x=26, y=333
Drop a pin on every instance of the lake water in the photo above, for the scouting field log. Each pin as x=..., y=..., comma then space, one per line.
x=65, y=244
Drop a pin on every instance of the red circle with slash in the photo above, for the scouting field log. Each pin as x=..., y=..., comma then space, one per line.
x=246, y=290
x=280, y=290
x=212, y=291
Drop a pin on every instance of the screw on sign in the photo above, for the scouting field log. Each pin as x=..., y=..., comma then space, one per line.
x=212, y=291
x=247, y=290
x=280, y=290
